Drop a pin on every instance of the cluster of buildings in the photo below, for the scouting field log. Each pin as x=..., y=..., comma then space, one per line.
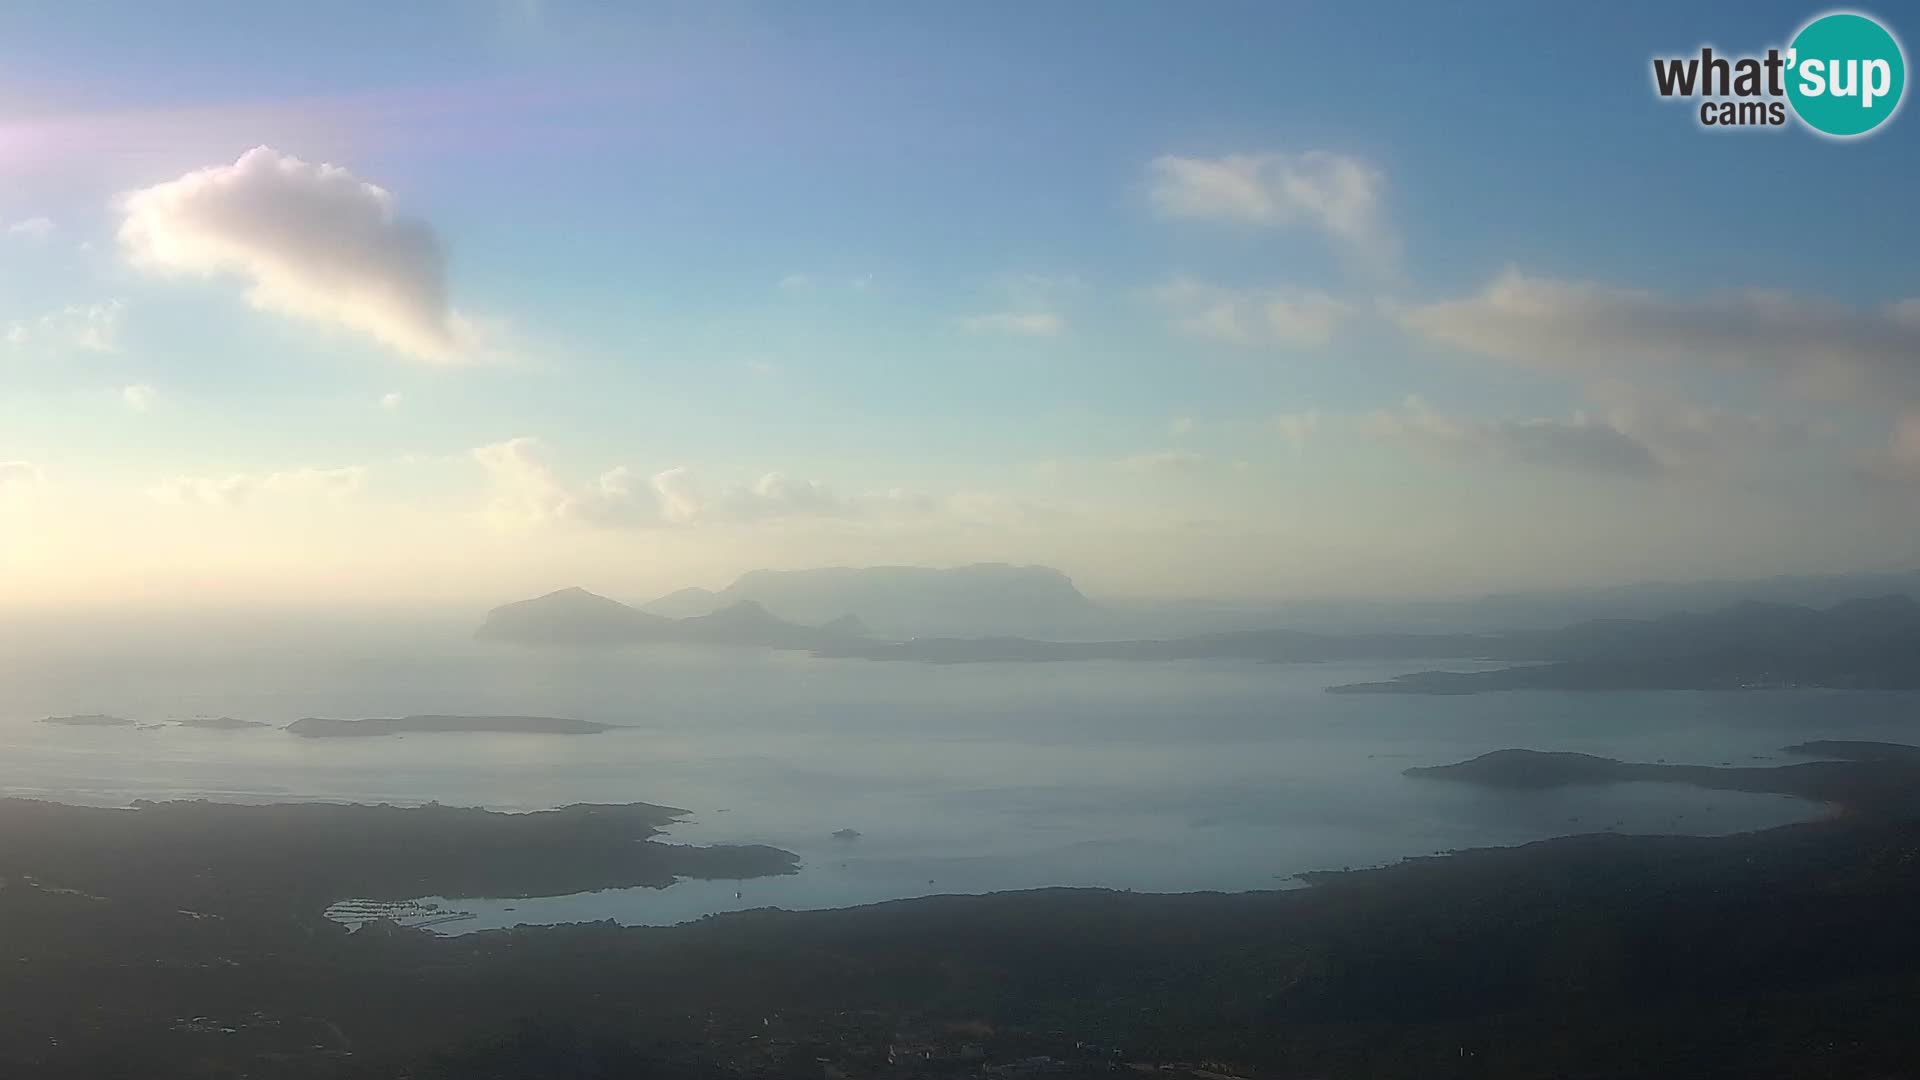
x=874, y=1045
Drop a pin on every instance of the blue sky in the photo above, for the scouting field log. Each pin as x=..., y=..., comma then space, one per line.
x=1265, y=299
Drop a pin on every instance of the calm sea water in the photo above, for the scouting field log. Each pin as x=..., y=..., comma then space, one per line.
x=1158, y=777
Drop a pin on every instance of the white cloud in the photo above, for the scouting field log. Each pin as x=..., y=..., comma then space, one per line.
x=777, y=494
x=236, y=489
x=1581, y=443
x=1017, y=323
x=678, y=494
x=73, y=328
x=525, y=488
x=33, y=228
x=793, y=282
x=14, y=474
x=1586, y=327
x=392, y=401
x=312, y=241
x=1251, y=316
x=1341, y=195
x=139, y=397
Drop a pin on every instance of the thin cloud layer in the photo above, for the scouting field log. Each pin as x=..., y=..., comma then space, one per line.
x=1582, y=443
x=18, y=474
x=237, y=489
x=1579, y=326
x=1016, y=323
x=311, y=241
x=73, y=328
x=1342, y=196
x=33, y=228
x=1687, y=435
x=1272, y=315
x=1899, y=461
x=526, y=490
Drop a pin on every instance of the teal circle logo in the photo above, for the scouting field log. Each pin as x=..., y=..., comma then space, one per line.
x=1845, y=74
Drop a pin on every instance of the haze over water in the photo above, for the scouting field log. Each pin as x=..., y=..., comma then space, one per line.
x=966, y=778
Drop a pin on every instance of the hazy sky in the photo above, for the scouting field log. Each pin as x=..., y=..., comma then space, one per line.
x=453, y=302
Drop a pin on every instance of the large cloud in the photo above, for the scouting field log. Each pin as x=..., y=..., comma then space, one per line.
x=1587, y=327
x=312, y=241
x=1341, y=195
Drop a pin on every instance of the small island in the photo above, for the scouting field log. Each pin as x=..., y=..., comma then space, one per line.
x=89, y=720
x=319, y=727
x=221, y=723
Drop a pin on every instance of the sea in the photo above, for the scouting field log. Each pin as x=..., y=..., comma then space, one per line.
x=1158, y=777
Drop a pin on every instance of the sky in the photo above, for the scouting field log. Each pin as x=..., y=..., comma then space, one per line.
x=450, y=303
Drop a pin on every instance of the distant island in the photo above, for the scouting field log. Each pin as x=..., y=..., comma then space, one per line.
x=1868, y=644
x=221, y=723
x=1274, y=646
x=1859, y=777
x=89, y=720
x=318, y=727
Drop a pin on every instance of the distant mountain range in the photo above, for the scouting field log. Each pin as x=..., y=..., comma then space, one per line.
x=1859, y=643
x=990, y=600
x=576, y=617
x=907, y=601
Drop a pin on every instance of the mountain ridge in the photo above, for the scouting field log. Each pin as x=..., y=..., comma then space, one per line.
x=906, y=601
x=575, y=617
